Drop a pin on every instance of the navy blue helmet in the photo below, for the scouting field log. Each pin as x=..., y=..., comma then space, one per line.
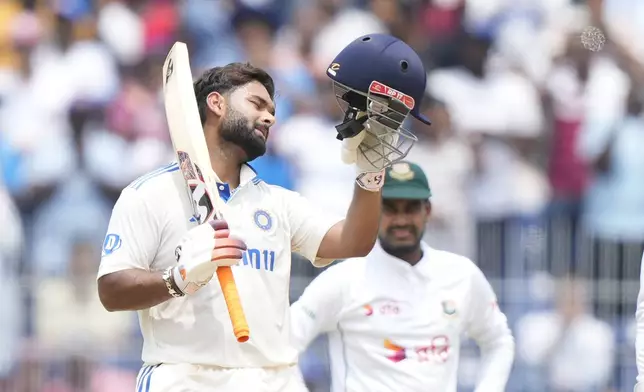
x=379, y=80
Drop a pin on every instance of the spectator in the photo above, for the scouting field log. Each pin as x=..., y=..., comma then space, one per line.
x=581, y=85
x=499, y=111
x=449, y=163
x=572, y=350
x=614, y=203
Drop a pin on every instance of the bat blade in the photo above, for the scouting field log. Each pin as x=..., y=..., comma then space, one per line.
x=189, y=143
x=186, y=133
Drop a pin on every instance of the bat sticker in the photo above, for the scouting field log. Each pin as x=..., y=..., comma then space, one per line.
x=186, y=165
x=197, y=191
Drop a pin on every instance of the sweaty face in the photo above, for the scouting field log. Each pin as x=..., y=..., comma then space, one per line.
x=402, y=225
x=249, y=115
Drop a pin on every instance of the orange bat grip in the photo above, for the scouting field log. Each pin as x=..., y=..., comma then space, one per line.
x=231, y=295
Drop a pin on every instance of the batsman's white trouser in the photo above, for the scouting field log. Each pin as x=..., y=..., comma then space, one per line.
x=196, y=378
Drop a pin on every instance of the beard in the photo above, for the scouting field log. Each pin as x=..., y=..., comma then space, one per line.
x=239, y=130
x=397, y=249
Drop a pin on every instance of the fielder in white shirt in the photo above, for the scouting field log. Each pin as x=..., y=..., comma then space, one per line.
x=639, y=334
x=188, y=340
x=395, y=318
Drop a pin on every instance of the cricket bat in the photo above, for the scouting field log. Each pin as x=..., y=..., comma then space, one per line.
x=192, y=155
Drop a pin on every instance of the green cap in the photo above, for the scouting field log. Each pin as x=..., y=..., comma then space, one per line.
x=405, y=180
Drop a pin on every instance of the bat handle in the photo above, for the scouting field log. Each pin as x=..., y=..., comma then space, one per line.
x=231, y=296
x=233, y=303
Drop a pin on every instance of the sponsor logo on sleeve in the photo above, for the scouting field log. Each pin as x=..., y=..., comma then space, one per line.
x=111, y=244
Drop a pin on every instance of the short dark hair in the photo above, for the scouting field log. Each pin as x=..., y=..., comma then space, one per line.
x=228, y=78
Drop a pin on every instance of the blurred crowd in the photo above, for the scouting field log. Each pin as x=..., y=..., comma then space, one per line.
x=535, y=159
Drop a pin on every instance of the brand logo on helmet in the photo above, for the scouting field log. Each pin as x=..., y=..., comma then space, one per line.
x=401, y=172
x=333, y=69
x=381, y=89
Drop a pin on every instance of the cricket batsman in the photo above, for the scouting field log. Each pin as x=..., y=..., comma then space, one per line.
x=395, y=317
x=160, y=263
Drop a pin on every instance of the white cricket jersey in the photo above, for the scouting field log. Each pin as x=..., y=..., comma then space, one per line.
x=148, y=221
x=639, y=333
x=397, y=327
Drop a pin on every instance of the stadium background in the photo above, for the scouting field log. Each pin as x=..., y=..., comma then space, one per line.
x=535, y=159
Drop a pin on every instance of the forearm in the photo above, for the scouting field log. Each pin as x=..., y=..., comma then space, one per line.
x=132, y=290
x=360, y=228
x=497, y=357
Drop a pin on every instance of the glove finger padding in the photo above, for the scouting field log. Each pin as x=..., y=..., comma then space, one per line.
x=228, y=252
x=225, y=233
x=350, y=148
x=375, y=149
x=218, y=224
x=372, y=149
x=229, y=242
x=226, y=257
x=201, y=251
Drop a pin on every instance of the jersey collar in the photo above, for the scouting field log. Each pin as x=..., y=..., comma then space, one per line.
x=422, y=268
x=247, y=174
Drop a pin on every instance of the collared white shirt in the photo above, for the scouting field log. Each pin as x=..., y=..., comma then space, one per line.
x=148, y=221
x=397, y=327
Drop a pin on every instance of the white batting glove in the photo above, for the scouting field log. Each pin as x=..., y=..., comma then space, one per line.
x=201, y=251
x=369, y=177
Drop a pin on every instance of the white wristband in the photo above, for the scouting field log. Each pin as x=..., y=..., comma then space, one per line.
x=371, y=181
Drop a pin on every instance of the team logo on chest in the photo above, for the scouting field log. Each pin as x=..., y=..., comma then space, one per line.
x=264, y=221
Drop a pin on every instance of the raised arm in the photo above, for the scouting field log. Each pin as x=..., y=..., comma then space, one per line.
x=322, y=238
x=356, y=235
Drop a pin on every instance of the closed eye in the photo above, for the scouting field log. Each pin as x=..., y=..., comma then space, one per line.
x=260, y=103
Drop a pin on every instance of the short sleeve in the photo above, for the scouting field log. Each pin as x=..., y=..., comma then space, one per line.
x=132, y=236
x=308, y=225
